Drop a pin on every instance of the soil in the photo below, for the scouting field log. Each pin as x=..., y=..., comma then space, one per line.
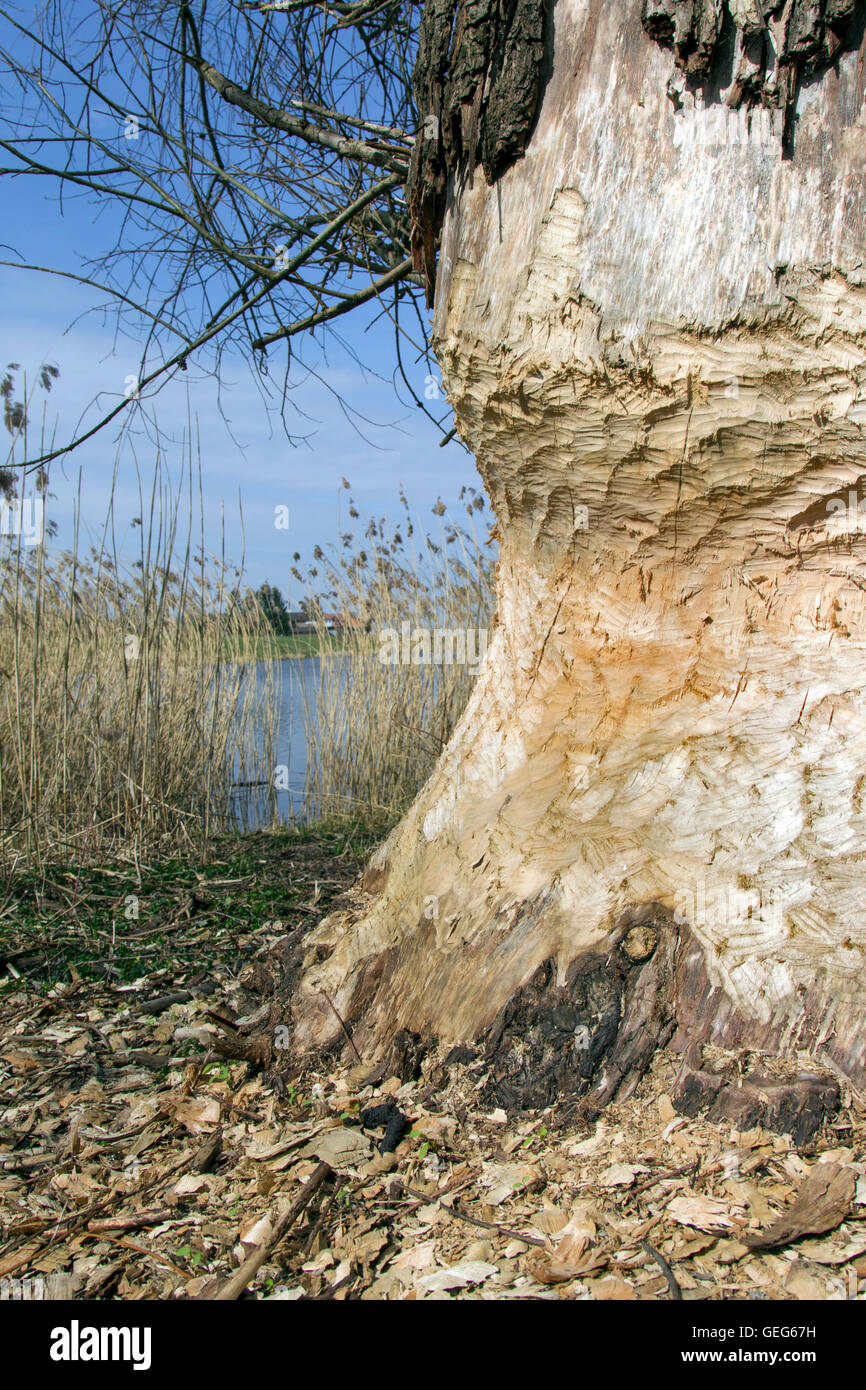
x=136, y=1161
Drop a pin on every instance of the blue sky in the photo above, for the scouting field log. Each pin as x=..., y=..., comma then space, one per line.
x=48, y=319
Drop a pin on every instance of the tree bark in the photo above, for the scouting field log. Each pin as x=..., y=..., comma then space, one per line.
x=652, y=328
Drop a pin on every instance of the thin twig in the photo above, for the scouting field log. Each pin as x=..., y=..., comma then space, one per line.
x=234, y=1287
x=349, y=1038
x=675, y=1290
x=476, y=1220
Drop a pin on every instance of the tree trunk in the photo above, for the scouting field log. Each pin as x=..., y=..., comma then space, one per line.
x=652, y=328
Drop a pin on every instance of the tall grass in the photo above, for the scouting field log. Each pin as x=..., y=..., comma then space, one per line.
x=376, y=726
x=122, y=723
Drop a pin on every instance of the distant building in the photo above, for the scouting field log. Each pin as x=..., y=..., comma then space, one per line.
x=299, y=622
x=333, y=622
x=339, y=622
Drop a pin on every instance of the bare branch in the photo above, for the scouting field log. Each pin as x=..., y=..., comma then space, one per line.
x=400, y=272
x=248, y=203
x=358, y=150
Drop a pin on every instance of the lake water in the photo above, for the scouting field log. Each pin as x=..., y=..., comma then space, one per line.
x=296, y=678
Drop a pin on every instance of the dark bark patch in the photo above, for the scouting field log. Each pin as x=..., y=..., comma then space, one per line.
x=405, y=1055
x=798, y=1106
x=374, y=878
x=759, y=52
x=477, y=83
x=591, y=1038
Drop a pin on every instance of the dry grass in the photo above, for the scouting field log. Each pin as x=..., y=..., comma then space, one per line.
x=132, y=703
x=122, y=725
x=376, y=727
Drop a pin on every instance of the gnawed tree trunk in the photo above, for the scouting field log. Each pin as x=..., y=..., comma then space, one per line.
x=651, y=819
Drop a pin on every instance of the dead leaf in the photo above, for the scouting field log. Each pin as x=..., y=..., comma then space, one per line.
x=255, y=1230
x=437, y=1129
x=198, y=1114
x=419, y=1257
x=750, y=1195
x=704, y=1213
x=620, y=1175
x=571, y=1260
x=260, y=1150
x=20, y=1061
x=342, y=1148
x=189, y=1184
x=458, y=1276
x=838, y=1252
x=505, y=1179
x=612, y=1289
x=366, y=1247
x=550, y=1221
x=666, y=1109
x=801, y=1283
x=821, y=1204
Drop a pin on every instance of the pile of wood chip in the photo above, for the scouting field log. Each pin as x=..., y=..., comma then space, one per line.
x=135, y=1164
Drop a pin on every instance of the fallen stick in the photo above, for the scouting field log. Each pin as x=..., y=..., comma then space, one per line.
x=476, y=1220
x=156, y=1255
x=165, y=1001
x=670, y=1278
x=235, y=1285
x=320, y=1220
x=154, y=1217
x=663, y=1175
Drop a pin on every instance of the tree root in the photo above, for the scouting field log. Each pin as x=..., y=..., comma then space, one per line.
x=586, y=1038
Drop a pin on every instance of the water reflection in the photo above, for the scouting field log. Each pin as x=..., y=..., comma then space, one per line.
x=282, y=798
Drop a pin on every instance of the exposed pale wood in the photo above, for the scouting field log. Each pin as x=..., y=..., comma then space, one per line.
x=657, y=318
